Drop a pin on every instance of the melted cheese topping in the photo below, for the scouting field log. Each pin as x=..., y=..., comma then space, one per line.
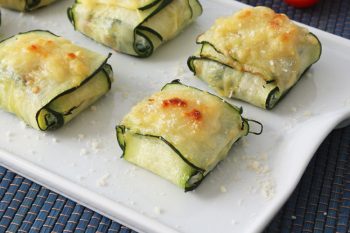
x=21, y=5
x=122, y=28
x=13, y=4
x=129, y=4
x=170, y=114
x=36, y=67
x=263, y=43
x=198, y=124
x=35, y=57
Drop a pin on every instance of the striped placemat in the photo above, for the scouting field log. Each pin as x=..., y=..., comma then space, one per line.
x=320, y=203
x=28, y=207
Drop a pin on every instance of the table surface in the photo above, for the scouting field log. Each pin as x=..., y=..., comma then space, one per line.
x=320, y=203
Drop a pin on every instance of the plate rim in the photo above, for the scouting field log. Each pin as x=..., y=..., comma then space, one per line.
x=129, y=217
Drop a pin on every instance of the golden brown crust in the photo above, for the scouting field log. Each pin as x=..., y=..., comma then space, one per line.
x=263, y=42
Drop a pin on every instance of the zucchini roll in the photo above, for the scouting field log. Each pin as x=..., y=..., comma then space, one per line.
x=46, y=80
x=134, y=27
x=180, y=133
x=24, y=5
x=254, y=55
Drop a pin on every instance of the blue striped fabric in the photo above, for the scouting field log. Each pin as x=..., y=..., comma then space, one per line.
x=25, y=206
x=104, y=224
x=74, y=218
x=84, y=221
x=320, y=203
x=64, y=216
x=40, y=196
x=20, y=188
x=53, y=215
x=9, y=202
x=115, y=227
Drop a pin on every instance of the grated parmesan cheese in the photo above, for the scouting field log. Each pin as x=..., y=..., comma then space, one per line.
x=9, y=134
x=258, y=167
x=157, y=210
x=93, y=108
x=96, y=145
x=307, y=113
x=23, y=125
x=102, y=182
x=81, y=136
x=180, y=71
x=83, y=151
x=347, y=102
x=80, y=177
x=245, y=142
x=293, y=109
x=132, y=203
x=223, y=189
x=267, y=189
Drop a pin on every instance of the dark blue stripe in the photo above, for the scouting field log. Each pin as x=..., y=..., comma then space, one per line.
x=53, y=215
x=104, y=225
x=74, y=218
x=44, y=212
x=84, y=221
x=9, y=195
x=24, y=207
x=94, y=222
x=34, y=210
x=17, y=199
x=4, y=186
x=114, y=227
x=64, y=216
x=2, y=172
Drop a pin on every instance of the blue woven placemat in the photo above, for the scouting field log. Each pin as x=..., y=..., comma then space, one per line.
x=28, y=207
x=320, y=203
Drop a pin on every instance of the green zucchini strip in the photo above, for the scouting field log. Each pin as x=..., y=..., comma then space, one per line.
x=180, y=133
x=136, y=31
x=70, y=103
x=46, y=80
x=24, y=5
x=240, y=60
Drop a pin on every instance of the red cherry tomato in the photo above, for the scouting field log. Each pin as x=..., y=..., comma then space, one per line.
x=301, y=3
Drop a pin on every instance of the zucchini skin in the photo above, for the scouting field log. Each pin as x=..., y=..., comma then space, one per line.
x=25, y=5
x=195, y=172
x=41, y=105
x=144, y=38
x=255, y=55
x=121, y=130
x=59, y=117
x=275, y=94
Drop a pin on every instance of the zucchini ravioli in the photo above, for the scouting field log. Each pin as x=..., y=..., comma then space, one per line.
x=254, y=55
x=134, y=27
x=180, y=133
x=24, y=5
x=46, y=80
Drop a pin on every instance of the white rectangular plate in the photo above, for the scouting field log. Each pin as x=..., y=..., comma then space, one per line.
x=240, y=195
